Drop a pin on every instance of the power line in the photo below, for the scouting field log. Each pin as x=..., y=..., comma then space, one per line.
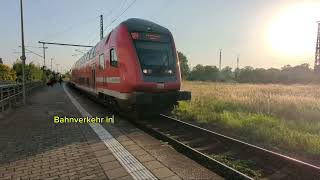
x=161, y=9
x=119, y=15
x=71, y=27
x=114, y=20
x=106, y=16
x=34, y=53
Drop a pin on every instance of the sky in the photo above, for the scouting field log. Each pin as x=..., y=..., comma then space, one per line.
x=262, y=33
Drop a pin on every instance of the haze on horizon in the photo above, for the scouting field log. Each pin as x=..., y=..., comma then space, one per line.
x=264, y=33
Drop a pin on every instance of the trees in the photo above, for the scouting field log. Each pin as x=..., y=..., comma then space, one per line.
x=184, y=67
x=301, y=74
x=204, y=73
x=226, y=74
x=7, y=73
x=32, y=72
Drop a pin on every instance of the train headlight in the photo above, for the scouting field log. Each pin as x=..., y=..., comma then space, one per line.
x=147, y=71
x=169, y=71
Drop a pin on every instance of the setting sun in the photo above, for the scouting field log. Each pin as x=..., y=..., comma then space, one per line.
x=293, y=31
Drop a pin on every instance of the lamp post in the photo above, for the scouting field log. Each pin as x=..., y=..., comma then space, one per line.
x=23, y=57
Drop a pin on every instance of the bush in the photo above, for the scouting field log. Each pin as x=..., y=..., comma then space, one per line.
x=7, y=73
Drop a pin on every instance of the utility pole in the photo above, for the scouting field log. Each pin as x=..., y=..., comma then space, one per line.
x=238, y=62
x=51, y=64
x=237, y=70
x=220, y=60
x=101, y=27
x=317, y=54
x=57, y=67
x=23, y=57
x=44, y=53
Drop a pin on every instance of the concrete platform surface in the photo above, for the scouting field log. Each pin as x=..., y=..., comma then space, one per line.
x=32, y=146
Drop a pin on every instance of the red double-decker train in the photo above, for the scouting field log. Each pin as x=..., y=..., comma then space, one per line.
x=134, y=68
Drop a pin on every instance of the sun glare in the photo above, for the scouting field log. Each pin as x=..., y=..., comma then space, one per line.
x=293, y=31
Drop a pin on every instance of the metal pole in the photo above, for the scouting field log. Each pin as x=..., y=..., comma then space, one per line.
x=58, y=65
x=51, y=64
x=220, y=60
x=44, y=55
x=23, y=57
x=101, y=27
x=317, y=53
x=238, y=62
x=237, y=70
x=64, y=44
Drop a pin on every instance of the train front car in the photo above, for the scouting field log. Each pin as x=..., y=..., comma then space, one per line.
x=155, y=82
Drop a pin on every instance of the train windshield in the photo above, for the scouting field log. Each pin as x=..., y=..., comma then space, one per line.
x=156, y=58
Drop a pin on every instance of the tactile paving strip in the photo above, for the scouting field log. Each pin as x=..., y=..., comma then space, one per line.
x=127, y=160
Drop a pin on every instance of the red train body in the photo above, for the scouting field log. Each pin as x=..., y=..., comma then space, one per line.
x=134, y=66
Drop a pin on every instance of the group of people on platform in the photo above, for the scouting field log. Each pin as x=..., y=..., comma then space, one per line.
x=53, y=80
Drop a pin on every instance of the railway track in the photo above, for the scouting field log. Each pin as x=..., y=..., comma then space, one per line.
x=224, y=154
x=212, y=149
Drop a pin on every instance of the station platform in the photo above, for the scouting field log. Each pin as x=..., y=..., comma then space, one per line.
x=32, y=146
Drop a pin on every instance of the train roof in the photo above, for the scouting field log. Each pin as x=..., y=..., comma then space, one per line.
x=132, y=25
x=142, y=25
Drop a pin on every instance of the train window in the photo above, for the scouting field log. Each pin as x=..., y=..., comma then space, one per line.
x=101, y=61
x=85, y=56
x=156, y=59
x=94, y=51
x=113, y=58
x=90, y=54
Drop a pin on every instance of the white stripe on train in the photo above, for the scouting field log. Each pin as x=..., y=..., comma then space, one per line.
x=112, y=93
x=108, y=79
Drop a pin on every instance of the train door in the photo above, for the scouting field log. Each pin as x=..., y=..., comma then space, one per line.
x=101, y=74
x=93, y=76
x=113, y=73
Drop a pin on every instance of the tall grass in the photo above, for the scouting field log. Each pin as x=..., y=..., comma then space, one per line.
x=281, y=116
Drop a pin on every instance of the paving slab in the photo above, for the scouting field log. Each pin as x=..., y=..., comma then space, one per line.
x=33, y=147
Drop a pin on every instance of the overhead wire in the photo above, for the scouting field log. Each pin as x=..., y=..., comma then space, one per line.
x=95, y=36
x=161, y=9
x=71, y=27
x=119, y=16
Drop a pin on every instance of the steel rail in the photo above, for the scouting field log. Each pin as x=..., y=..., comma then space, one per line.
x=298, y=167
x=275, y=154
x=221, y=169
x=289, y=167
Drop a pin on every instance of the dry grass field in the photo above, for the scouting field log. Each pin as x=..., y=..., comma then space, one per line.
x=283, y=117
